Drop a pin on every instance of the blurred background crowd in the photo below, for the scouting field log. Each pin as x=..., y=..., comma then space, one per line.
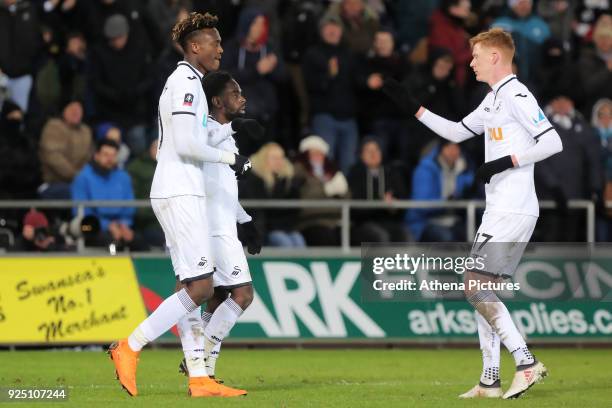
x=80, y=81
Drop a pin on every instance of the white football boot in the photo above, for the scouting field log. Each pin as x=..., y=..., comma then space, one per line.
x=484, y=391
x=524, y=378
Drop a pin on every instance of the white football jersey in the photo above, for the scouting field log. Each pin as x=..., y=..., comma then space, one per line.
x=512, y=121
x=223, y=207
x=177, y=175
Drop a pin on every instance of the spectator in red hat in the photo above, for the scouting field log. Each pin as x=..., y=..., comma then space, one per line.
x=36, y=234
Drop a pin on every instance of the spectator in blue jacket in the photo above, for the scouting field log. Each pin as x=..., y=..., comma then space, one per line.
x=443, y=174
x=529, y=32
x=102, y=180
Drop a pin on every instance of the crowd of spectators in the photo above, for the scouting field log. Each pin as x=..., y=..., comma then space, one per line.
x=80, y=81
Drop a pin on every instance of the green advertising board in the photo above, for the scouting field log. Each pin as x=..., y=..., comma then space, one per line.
x=321, y=298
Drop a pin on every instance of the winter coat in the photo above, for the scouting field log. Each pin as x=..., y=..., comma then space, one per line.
x=334, y=186
x=577, y=170
x=121, y=82
x=445, y=32
x=91, y=184
x=20, y=40
x=64, y=150
x=427, y=185
x=529, y=34
x=333, y=95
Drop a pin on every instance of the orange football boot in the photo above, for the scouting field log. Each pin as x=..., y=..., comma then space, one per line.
x=203, y=387
x=208, y=387
x=229, y=391
x=125, y=360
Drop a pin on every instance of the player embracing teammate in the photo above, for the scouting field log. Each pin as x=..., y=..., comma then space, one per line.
x=517, y=135
x=233, y=291
x=179, y=201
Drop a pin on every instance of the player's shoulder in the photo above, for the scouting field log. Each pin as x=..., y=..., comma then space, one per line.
x=184, y=76
x=212, y=123
x=517, y=92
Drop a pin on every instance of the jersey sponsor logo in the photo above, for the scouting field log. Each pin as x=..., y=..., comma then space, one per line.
x=495, y=134
x=540, y=117
x=188, y=100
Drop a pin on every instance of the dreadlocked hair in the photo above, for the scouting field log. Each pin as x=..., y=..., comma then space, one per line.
x=184, y=29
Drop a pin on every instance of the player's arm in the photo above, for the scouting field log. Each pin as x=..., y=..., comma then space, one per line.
x=528, y=113
x=184, y=100
x=241, y=215
x=218, y=135
x=457, y=132
x=252, y=238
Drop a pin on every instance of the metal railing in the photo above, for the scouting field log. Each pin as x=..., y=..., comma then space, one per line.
x=345, y=206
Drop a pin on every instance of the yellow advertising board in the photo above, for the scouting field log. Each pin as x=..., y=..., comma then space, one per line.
x=64, y=300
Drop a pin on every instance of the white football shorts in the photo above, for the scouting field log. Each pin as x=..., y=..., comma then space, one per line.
x=231, y=266
x=183, y=219
x=501, y=240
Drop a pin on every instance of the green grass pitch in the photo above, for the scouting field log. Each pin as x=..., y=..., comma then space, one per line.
x=314, y=378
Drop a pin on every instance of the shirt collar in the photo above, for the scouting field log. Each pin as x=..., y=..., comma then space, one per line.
x=502, y=82
x=191, y=67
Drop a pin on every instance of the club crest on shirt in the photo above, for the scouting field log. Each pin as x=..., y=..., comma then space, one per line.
x=188, y=100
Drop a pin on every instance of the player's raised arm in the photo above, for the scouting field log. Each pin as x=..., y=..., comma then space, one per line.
x=526, y=111
x=470, y=126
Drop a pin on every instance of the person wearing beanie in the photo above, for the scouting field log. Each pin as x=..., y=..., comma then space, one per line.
x=121, y=81
x=36, y=234
x=322, y=180
x=110, y=131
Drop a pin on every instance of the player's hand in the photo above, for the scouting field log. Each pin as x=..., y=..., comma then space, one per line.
x=251, y=236
x=401, y=96
x=241, y=167
x=250, y=127
x=489, y=169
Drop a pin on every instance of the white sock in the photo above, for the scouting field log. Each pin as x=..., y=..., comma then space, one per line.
x=498, y=316
x=191, y=332
x=211, y=361
x=162, y=319
x=523, y=357
x=489, y=345
x=221, y=322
